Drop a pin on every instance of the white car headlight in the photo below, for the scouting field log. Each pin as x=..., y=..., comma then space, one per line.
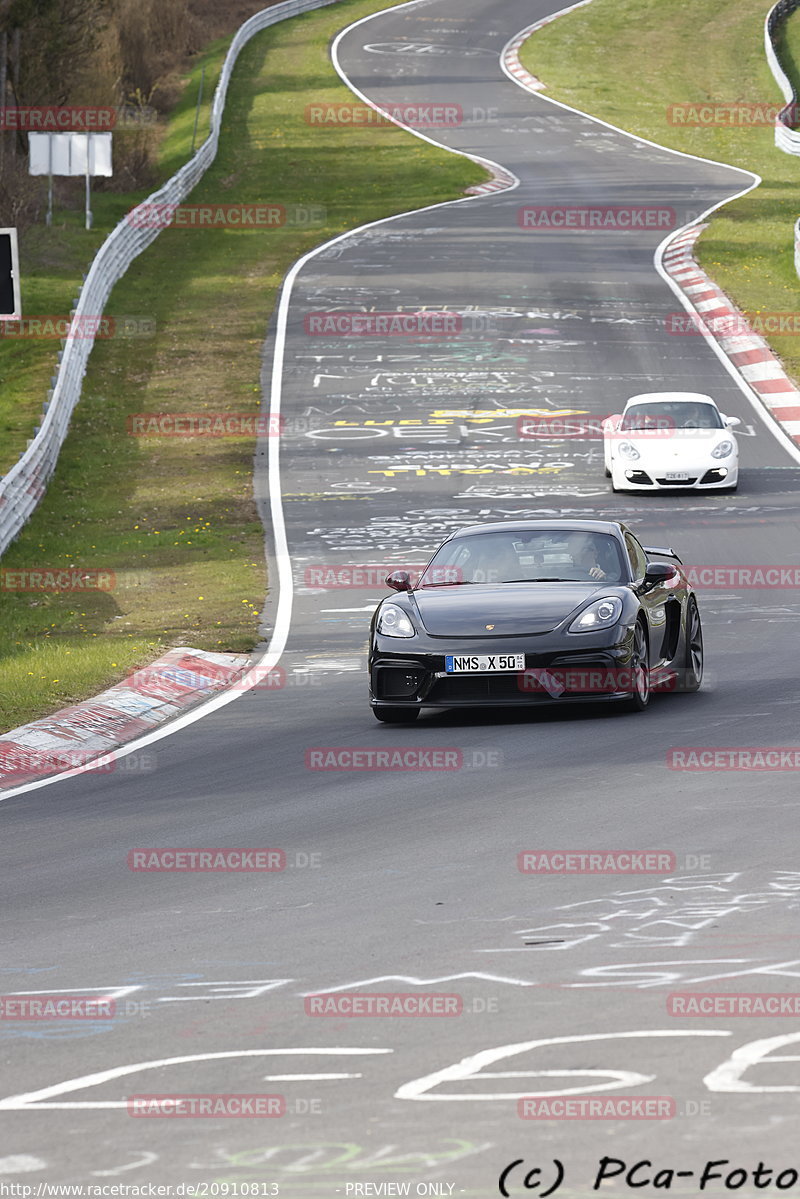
x=723, y=450
x=628, y=450
x=599, y=615
x=393, y=622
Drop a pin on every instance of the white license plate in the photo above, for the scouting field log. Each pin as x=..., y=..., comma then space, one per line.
x=677, y=476
x=481, y=663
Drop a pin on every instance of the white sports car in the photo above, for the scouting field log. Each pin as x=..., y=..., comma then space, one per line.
x=671, y=439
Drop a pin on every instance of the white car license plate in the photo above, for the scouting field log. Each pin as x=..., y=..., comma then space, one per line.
x=480, y=663
x=677, y=476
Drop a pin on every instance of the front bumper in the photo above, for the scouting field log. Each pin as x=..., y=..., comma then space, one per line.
x=705, y=476
x=593, y=673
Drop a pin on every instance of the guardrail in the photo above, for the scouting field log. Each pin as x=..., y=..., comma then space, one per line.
x=786, y=138
x=25, y=484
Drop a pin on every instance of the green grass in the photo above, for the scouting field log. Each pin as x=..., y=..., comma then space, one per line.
x=53, y=260
x=626, y=61
x=173, y=518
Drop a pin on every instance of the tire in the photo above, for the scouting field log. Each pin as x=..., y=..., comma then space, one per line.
x=607, y=472
x=691, y=675
x=639, y=698
x=388, y=714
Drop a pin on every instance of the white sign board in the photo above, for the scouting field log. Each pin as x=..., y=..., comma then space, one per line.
x=66, y=153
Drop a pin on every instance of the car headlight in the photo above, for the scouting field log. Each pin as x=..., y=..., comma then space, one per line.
x=723, y=450
x=393, y=622
x=628, y=450
x=599, y=615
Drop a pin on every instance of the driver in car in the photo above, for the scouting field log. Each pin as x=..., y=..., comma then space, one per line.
x=583, y=551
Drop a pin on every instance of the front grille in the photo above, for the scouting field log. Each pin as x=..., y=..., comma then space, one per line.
x=639, y=476
x=714, y=476
x=477, y=689
x=677, y=482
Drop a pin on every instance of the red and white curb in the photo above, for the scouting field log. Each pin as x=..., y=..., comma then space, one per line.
x=510, y=56
x=82, y=736
x=747, y=351
x=748, y=356
x=501, y=180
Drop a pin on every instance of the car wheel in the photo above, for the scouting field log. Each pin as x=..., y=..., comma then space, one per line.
x=607, y=473
x=640, y=670
x=392, y=715
x=692, y=674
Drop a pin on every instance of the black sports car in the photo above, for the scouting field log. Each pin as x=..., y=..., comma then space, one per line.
x=531, y=612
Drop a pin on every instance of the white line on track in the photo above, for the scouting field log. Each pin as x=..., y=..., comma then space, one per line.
x=34, y=1100
x=283, y=616
x=507, y=56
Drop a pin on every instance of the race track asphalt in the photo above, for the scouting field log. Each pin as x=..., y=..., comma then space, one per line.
x=219, y=963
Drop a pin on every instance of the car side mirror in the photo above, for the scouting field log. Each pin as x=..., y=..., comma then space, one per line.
x=658, y=573
x=399, y=580
x=731, y=422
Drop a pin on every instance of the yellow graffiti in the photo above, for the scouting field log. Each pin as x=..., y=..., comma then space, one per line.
x=464, y=413
x=481, y=416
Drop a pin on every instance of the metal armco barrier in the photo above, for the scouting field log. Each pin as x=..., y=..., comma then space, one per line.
x=786, y=138
x=24, y=485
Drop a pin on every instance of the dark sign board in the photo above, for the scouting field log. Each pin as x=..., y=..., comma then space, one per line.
x=9, y=274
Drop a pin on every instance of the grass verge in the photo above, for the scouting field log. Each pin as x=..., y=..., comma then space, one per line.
x=173, y=519
x=627, y=61
x=53, y=260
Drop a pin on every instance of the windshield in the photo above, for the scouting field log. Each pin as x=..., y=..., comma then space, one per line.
x=678, y=415
x=541, y=555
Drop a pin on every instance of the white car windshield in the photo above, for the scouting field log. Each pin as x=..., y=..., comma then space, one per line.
x=540, y=556
x=678, y=415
